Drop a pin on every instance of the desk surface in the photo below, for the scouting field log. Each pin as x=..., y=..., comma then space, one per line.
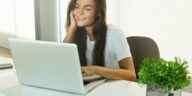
x=9, y=86
x=112, y=90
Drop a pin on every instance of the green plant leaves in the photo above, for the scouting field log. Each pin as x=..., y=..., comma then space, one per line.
x=167, y=74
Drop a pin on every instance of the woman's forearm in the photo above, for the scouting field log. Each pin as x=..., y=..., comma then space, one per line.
x=115, y=74
x=70, y=29
x=70, y=35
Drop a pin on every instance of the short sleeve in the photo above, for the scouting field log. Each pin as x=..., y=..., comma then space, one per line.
x=120, y=45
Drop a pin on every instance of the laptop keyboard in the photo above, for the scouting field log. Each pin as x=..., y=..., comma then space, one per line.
x=6, y=65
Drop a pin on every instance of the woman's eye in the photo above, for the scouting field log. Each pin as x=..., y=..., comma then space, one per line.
x=88, y=9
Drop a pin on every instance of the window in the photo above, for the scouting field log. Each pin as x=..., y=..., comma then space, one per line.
x=16, y=20
x=7, y=17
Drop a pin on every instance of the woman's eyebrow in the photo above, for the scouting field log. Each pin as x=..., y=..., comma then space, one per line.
x=88, y=5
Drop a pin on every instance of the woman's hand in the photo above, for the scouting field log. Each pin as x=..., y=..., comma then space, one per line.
x=71, y=29
x=73, y=23
x=88, y=70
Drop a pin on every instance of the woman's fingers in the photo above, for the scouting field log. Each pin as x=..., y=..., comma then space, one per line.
x=72, y=19
x=86, y=71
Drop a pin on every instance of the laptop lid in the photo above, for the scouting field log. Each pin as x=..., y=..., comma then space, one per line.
x=48, y=65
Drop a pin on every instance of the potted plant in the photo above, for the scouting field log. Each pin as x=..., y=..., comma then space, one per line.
x=163, y=76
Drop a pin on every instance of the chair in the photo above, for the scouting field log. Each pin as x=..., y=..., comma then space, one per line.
x=141, y=48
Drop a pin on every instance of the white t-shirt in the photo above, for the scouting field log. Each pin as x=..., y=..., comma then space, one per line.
x=116, y=48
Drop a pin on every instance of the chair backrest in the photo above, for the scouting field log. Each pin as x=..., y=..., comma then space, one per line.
x=141, y=48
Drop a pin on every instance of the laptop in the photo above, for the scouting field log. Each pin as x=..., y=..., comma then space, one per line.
x=50, y=65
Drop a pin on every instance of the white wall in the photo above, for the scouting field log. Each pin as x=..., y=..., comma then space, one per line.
x=63, y=11
x=113, y=12
x=168, y=22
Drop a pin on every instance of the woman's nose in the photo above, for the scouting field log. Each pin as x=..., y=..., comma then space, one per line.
x=80, y=12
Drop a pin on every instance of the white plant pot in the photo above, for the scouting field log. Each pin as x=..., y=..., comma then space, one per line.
x=156, y=91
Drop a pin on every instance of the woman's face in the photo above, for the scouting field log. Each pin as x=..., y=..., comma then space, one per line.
x=84, y=12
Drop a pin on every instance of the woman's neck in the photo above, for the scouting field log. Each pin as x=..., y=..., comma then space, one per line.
x=89, y=30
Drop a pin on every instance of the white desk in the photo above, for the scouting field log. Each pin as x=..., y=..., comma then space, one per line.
x=8, y=79
x=9, y=86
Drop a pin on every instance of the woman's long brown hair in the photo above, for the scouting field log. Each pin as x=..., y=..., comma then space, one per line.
x=99, y=33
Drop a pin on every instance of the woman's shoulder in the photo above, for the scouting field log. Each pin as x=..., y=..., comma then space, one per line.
x=114, y=30
x=112, y=27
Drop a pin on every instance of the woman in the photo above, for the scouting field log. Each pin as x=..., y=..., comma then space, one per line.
x=103, y=48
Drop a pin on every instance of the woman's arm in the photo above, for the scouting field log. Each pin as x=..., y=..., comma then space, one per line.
x=126, y=71
x=70, y=30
